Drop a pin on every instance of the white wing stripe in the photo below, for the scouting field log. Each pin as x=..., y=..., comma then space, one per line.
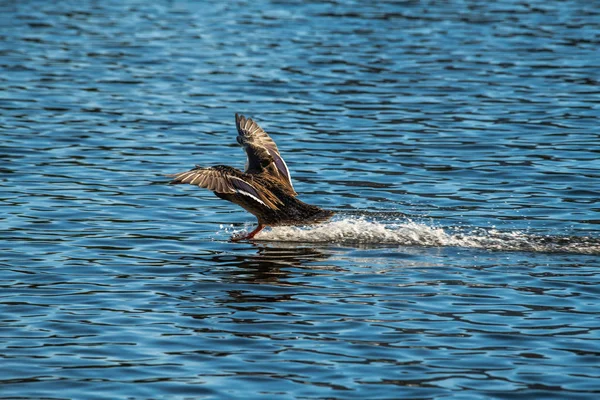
x=245, y=192
x=251, y=195
x=289, y=176
x=241, y=180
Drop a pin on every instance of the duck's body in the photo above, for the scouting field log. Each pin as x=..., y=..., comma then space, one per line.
x=265, y=189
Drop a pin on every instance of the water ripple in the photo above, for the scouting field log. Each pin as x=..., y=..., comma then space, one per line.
x=457, y=143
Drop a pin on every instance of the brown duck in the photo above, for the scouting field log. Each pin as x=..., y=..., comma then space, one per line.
x=265, y=189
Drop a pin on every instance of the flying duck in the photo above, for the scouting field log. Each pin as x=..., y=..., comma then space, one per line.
x=264, y=189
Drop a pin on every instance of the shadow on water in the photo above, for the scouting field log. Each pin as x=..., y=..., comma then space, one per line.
x=271, y=263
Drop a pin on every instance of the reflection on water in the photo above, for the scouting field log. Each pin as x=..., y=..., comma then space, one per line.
x=270, y=263
x=457, y=143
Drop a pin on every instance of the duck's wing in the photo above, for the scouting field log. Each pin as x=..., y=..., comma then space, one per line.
x=227, y=180
x=261, y=148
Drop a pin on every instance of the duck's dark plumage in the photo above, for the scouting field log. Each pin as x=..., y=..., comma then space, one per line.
x=265, y=189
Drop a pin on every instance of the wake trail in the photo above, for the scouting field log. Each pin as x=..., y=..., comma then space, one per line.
x=405, y=232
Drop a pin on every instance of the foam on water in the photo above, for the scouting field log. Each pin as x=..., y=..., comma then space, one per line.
x=409, y=233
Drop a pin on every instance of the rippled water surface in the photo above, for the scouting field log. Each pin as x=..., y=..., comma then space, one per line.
x=458, y=142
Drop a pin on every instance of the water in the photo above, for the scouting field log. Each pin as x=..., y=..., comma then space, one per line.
x=458, y=142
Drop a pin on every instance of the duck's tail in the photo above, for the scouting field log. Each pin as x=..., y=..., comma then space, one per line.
x=320, y=216
x=309, y=214
x=298, y=214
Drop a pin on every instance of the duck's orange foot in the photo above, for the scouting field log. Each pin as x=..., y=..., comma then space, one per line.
x=237, y=238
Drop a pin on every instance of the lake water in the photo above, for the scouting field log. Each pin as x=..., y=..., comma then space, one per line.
x=458, y=142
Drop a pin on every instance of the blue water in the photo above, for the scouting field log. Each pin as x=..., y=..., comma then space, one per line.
x=458, y=142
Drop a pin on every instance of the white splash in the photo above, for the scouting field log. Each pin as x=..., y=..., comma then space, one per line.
x=358, y=230
x=409, y=233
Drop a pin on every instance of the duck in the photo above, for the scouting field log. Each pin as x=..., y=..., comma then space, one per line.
x=264, y=189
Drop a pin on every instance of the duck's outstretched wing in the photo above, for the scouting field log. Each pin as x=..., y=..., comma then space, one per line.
x=260, y=147
x=226, y=180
